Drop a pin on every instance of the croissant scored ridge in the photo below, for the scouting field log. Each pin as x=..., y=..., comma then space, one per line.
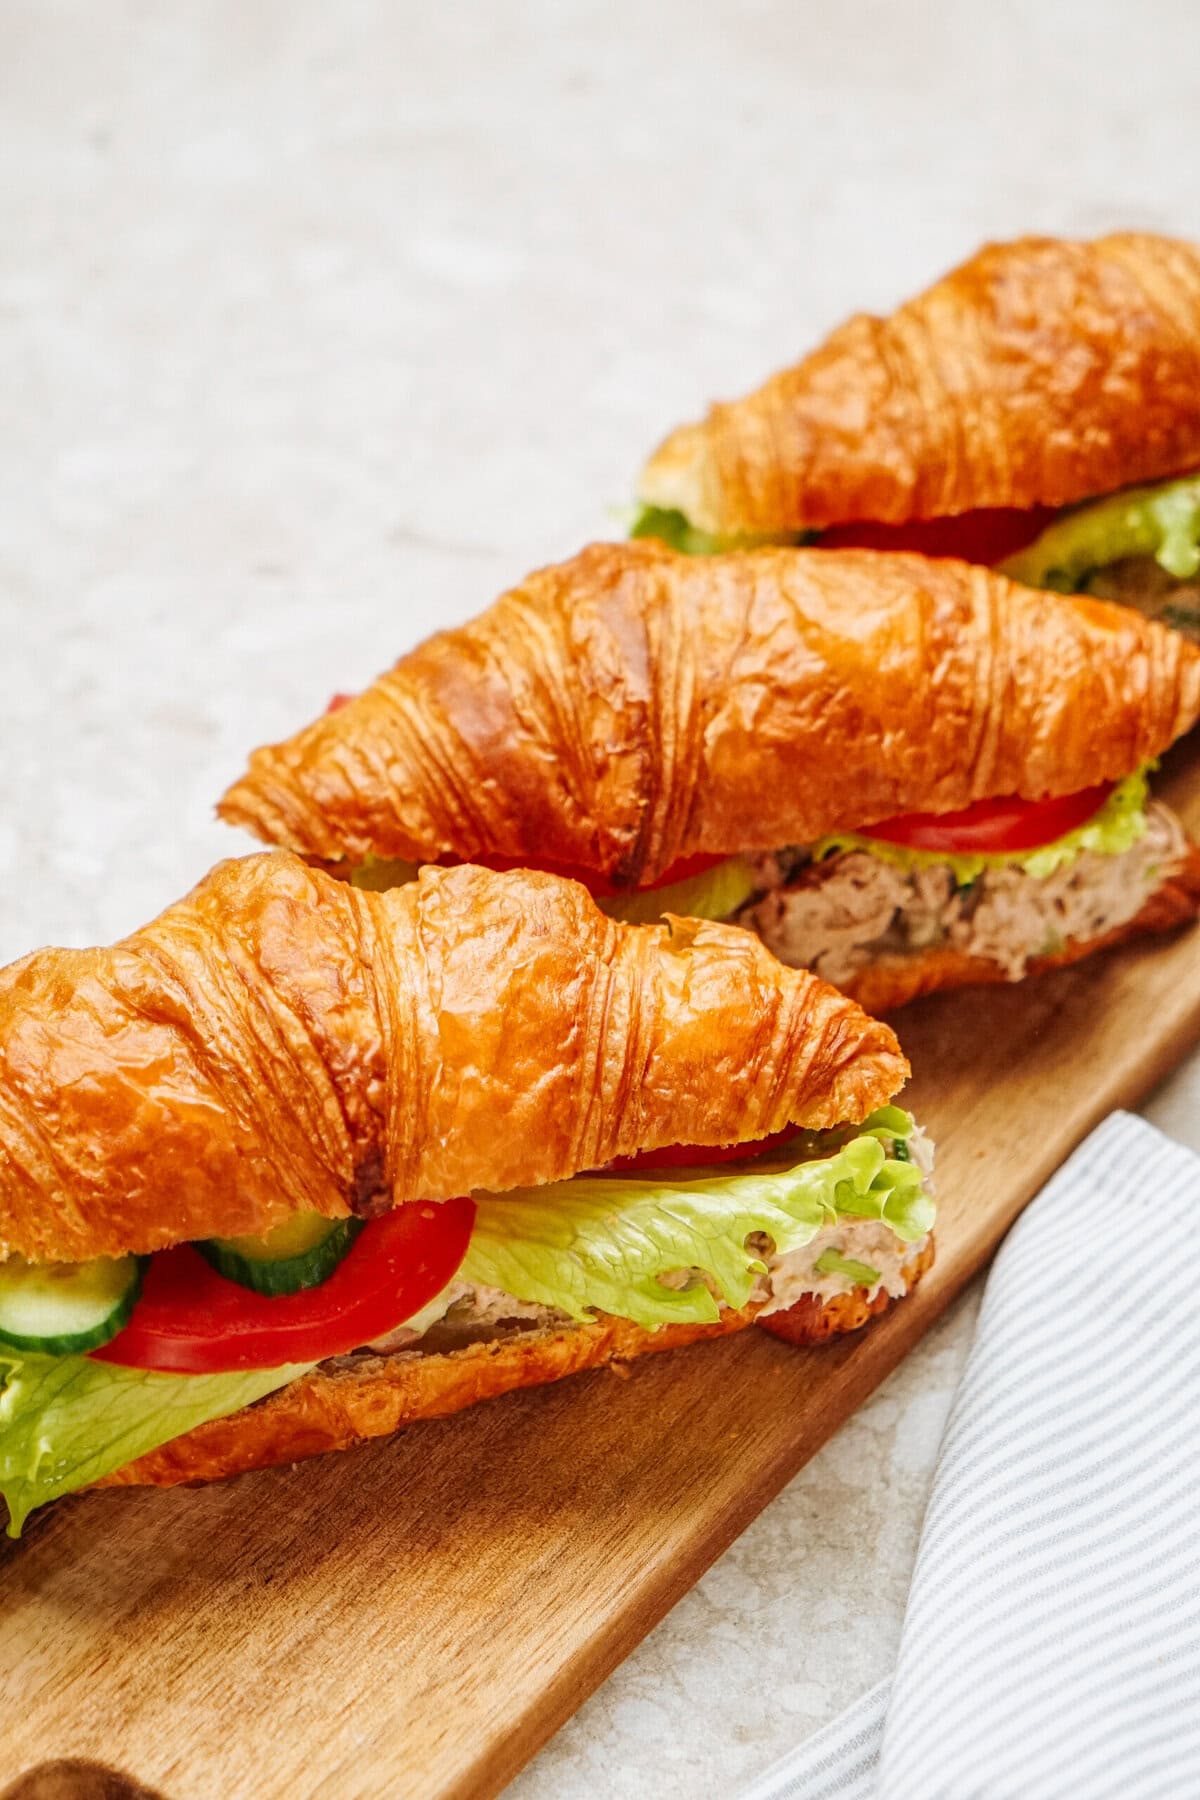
x=633, y=706
x=279, y=1041
x=1039, y=372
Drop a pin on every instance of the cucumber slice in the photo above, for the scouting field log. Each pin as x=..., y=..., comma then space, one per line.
x=63, y=1309
x=301, y=1253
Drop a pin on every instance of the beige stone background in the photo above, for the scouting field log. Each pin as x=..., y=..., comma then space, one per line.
x=319, y=324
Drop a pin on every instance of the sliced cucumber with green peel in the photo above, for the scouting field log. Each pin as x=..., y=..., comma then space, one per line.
x=63, y=1309
x=832, y=1262
x=301, y=1253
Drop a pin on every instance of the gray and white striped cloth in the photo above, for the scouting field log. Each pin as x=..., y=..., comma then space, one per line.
x=1051, y=1644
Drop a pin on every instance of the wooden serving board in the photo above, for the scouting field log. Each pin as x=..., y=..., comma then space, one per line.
x=413, y=1619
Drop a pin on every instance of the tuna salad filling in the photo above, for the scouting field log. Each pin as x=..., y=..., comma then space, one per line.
x=843, y=1256
x=845, y=1252
x=838, y=913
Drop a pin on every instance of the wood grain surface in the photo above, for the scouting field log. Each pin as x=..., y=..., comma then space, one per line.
x=414, y=1618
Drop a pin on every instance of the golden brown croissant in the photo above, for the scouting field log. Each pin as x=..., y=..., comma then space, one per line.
x=633, y=707
x=279, y=1041
x=341, y=1404
x=1039, y=372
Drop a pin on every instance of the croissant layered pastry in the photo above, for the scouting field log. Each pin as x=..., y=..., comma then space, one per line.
x=300, y=1163
x=904, y=773
x=1037, y=408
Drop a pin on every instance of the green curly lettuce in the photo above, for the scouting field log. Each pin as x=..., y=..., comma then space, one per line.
x=1113, y=829
x=1162, y=522
x=67, y=1420
x=603, y=1243
x=676, y=530
x=715, y=893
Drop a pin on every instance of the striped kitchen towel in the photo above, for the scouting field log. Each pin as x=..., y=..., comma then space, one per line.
x=1051, y=1644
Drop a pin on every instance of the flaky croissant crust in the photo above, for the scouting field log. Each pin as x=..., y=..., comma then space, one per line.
x=279, y=1041
x=1039, y=372
x=632, y=707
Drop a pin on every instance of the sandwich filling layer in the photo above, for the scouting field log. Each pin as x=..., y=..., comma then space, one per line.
x=838, y=913
x=823, y=1213
x=1140, y=547
x=843, y=1256
x=840, y=904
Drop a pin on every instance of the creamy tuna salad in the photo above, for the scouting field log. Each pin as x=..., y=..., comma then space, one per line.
x=837, y=913
x=848, y=1255
x=844, y=1254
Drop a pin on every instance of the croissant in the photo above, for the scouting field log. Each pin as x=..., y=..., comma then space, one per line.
x=1040, y=372
x=633, y=708
x=281, y=1042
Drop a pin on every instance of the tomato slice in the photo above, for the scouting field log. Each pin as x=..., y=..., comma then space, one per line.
x=191, y=1320
x=338, y=701
x=687, y=1156
x=987, y=535
x=994, y=825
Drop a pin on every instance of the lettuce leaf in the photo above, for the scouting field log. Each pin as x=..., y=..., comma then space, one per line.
x=601, y=1243
x=66, y=1420
x=1115, y=828
x=676, y=531
x=715, y=893
x=1161, y=521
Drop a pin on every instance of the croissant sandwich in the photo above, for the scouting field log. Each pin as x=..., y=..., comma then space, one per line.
x=904, y=773
x=1037, y=408
x=298, y=1164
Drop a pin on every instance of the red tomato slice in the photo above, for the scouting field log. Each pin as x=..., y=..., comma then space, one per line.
x=338, y=701
x=994, y=825
x=985, y=536
x=191, y=1320
x=687, y=1156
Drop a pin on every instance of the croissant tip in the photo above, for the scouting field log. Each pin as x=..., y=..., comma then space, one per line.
x=677, y=478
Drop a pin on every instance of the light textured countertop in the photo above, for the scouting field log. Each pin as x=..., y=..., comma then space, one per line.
x=318, y=325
